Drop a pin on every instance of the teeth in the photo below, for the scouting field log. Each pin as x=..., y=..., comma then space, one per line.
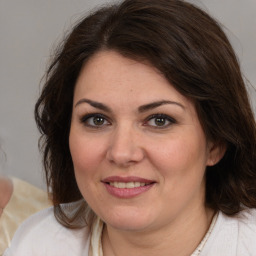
x=127, y=184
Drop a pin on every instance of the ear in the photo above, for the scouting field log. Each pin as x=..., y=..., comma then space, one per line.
x=216, y=152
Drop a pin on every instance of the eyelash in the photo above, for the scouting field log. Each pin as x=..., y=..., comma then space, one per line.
x=163, y=117
x=86, y=118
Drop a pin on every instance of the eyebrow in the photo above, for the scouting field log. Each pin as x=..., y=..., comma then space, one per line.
x=141, y=109
x=94, y=104
x=156, y=104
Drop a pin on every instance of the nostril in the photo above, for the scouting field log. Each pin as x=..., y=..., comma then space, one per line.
x=125, y=156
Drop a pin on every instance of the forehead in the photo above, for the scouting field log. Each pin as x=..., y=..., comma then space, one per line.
x=108, y=73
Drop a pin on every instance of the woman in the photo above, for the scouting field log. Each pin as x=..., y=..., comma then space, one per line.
x=16, y=205
x=148, y=139
x=6, y=188
x=18, y=201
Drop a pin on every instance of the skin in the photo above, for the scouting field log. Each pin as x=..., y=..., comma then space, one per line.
x=6, y=189
x=170, y=218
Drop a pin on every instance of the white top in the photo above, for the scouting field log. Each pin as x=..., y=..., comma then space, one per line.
x=42, y=235
x=25, y=201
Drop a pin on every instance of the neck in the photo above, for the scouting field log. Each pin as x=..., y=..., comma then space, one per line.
x=179, y=238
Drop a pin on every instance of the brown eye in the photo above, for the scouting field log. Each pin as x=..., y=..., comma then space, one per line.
x=98, y=120
x=95, y=120
x=160, y=121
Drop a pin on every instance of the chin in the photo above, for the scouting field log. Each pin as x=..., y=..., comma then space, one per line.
x=128, y=220
x=128, y=225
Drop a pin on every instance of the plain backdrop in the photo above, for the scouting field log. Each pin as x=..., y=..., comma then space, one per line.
x=29, y=29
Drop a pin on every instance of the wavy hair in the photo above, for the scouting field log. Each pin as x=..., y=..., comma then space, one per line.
x=191, y=50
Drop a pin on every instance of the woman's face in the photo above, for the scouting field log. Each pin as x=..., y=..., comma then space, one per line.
x=138, y=148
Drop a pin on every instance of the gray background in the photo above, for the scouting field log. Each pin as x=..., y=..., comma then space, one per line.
x=29, y=29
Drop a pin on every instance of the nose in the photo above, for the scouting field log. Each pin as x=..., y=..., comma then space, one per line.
x=124, y=147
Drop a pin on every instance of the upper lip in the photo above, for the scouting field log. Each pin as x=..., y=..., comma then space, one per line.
x=126, y=179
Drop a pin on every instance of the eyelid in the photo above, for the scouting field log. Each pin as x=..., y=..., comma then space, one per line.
x=86, y=117
x=170, y=119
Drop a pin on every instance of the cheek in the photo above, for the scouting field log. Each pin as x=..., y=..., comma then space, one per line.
x=86, y=154
x=86, y=157
x=180, y=155
x=181, y=165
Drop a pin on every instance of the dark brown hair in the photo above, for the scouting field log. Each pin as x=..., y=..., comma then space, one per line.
x=190, y=49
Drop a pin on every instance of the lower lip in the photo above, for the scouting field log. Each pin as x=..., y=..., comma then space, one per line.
x=127, y=192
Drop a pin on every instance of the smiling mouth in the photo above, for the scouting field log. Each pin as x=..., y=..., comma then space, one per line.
x=128, y=184
x=127, y=187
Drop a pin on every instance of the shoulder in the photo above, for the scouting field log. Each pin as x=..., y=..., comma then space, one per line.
x=246, y=225
x=41, y=234
x=233, y=235
x=247, y=216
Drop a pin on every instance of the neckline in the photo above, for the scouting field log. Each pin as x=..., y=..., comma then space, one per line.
x=97, y=229
x=203, y=242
